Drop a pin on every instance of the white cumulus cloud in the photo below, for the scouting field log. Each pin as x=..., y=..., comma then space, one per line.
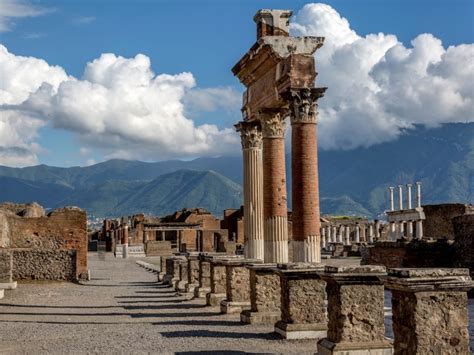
x=378, y=87
x=119, y=105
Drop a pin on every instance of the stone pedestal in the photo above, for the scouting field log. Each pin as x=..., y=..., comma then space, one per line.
x=429, y=308
x=183, y=276
x=204, y=286
x=218, y=282
x=303, y=313
x=265, y=295
x=237, y=286
x=193, y=272
x=355, y=311
x=162, y=272
x=172, y=270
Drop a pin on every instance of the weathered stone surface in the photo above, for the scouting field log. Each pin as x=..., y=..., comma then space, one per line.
x=430, y=323
x=237, y=283
x=61, y=230
x=158, y=248
x=429, y=309
x=303, y=313
x=265, y=291
x=6, y=266
x=44, y=265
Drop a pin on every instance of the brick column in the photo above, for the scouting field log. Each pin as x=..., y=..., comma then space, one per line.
x=304, y=170
x=429, y=308
x=125, y=241
x=275, y=211
x=251, y=136
x=356, y=311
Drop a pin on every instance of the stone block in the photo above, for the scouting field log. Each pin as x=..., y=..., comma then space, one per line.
x=265, y=295
x=429, y=308
x=218, y=282
x=355, y=310
x=237, y=285
x=6, y=266
x=204, y=278
x=303, y=312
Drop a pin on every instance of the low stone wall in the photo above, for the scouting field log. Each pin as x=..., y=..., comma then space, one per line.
x=158, y=248
x=30, y=264
x=411, y=254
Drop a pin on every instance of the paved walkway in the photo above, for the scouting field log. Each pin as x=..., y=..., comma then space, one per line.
x=123, y=310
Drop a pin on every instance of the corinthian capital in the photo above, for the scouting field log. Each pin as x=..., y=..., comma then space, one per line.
x=250, y=135
x=273, y=123
x=303, y=106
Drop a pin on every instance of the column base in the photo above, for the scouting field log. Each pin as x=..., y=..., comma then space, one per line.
x=8, y=285
x=327, y=347
x=181, y=286
x=233, y=307
x=190, y=288
x=201, y=292
x=249, y=317
x=161, y=276
x=301, y=331
x=125, y=251
x=214, y=299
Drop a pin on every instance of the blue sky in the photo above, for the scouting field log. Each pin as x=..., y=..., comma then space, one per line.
x=205, y=38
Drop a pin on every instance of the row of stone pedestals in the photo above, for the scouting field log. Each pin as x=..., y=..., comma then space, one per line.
x=342, y=307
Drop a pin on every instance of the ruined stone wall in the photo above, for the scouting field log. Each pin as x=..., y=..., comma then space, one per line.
x=62, y=230
x=158, y=248
x=44, y=264
x=438, y=223
x=6, y=266
x=412, y=254
x=464, y=242
x=188, y=237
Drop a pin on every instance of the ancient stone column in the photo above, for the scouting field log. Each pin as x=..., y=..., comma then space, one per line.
x=392, y=205
x=355, y=310
x=377, y=229
x=329, y=234
x=348, y=236
x=362, y=233
x=371, y=233
x=430, y=313
x=400, y=197
x=125, y=241
x=357, y=234
x=323, y=237
x=418, y=194
x=340, y=234
x=304, y=171
x=251, y=137
x=275, y=210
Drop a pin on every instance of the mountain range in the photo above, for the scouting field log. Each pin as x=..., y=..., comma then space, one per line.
x=352, y=182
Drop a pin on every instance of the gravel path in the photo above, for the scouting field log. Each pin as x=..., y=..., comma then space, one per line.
x=123, y=310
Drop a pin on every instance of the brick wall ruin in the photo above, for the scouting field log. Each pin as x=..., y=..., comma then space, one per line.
x=44, y=244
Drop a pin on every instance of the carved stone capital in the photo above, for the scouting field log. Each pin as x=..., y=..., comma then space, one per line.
x=250, y=135
x=303, y=106
x=273, y=123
